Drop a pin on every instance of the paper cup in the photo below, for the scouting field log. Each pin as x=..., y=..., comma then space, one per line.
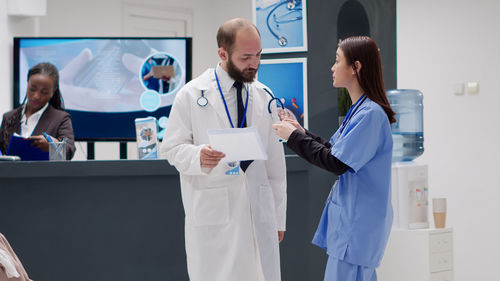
x=439, y=212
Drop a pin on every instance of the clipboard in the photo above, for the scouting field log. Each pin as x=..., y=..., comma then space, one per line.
x=238, y=144
x=161, y=71
x=19, y=146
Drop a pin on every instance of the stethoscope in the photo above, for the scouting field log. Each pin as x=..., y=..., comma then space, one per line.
x=292, y=7
x=273, y=98
x=350, y=113
x=202, y=101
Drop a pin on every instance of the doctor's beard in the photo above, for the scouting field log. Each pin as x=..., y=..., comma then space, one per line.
x=245, y=75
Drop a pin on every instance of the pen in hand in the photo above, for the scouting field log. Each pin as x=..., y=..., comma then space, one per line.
x=58, y=150
x=49, y=140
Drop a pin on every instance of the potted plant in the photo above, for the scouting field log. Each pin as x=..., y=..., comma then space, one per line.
x=343, y=103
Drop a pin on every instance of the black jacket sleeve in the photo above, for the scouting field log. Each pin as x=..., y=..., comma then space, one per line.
x=319, y=139
x=316, y=151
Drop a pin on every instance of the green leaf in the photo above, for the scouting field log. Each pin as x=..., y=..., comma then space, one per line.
x=343, y=101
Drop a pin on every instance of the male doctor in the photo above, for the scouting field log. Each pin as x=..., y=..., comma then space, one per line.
x=235, y=218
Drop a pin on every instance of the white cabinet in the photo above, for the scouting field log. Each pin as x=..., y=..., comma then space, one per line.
x=418, y=255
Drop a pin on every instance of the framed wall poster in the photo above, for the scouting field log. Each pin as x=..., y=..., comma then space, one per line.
x=287, y=79
x=282, y=25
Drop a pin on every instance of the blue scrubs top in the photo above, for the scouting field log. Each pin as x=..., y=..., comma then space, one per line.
x=151, y=83
x=357, y=218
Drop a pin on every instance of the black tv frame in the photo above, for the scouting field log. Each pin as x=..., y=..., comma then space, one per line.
x=16, y=78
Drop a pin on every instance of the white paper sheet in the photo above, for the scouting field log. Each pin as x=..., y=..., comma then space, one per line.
x=238, y=144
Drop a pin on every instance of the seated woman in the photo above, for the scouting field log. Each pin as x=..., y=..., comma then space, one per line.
x=42, y=112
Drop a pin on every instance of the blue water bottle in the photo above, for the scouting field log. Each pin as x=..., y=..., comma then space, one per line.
x=408, y=131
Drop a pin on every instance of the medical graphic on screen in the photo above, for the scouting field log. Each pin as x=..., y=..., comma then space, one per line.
x=108, y=82
x=282, y=25
x=161, y=73
x=287, y=79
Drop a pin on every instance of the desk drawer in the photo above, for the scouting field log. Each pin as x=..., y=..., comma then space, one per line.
x=442, y=276
x=441, y=261
x=442, y=242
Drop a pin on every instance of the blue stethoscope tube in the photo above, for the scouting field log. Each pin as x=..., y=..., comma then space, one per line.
x=273, y=98
x=202, y=101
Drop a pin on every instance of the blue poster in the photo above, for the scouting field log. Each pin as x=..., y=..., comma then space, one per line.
x=282, y=25
x=287, y=80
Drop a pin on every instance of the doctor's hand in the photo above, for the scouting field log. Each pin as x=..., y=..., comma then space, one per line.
x=281, y=234
x=284, y=129
x=209, y=158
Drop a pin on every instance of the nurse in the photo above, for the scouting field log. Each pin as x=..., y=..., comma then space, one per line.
x=357, y=218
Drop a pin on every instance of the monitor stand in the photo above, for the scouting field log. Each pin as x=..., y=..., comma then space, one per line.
x=123, y=150
x=90, y=150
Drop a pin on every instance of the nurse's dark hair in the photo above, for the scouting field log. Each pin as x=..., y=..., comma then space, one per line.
x=48, y=69
x=226, y=35
x=370, y=78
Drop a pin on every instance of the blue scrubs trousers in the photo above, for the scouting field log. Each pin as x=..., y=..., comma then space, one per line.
x=337, y=270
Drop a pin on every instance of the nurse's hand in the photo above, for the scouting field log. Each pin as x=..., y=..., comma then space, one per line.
x=281, y=234
x=284, y=129
x=209, y=158
x=296, y=124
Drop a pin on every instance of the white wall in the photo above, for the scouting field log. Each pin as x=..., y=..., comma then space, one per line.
x=103, y=18
x=441, y=43
x=11, y=26
x=5, y=61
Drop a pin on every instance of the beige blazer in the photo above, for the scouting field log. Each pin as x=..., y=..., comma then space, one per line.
x=23, y=276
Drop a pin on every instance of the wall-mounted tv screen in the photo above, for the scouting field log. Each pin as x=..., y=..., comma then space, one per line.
x=107, y=83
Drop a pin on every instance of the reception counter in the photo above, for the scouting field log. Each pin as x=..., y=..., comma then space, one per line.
x=124, y=220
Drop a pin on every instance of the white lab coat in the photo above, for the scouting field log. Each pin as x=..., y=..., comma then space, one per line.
x=232, y=221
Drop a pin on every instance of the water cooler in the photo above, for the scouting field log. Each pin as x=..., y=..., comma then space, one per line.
x=410, y=198
x=414, y=251
x=410, y=195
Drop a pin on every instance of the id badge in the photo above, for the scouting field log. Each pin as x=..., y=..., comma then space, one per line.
x=233, y=168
